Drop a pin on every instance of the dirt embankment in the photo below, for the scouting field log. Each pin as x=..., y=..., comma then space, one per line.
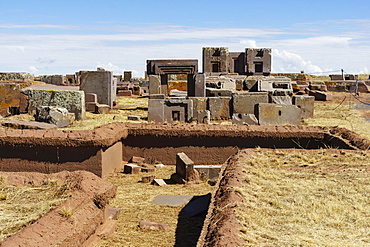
x=71, y=223
x=221, y=227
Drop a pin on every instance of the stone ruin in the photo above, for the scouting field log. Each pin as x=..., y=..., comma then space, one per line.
x=210, y=96
x=54, y=102
x=217, y=60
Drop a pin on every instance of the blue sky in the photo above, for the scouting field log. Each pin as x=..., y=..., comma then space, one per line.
x=62, y=37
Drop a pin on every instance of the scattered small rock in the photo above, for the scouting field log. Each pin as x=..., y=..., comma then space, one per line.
x=159, y=166
x=137, y=160
x=153, y=225
x=134, y=118
x=131, y=169
x=148, y=178
x=159, y=182
x=147, y=169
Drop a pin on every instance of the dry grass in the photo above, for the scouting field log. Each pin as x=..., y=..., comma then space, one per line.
x=21, y=206
x=306, y=199
x=125, y=106
x=134, y=197
x=343, y=111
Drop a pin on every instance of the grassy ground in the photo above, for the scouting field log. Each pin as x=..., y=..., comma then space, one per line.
x=20, y=206
x=134, y=197
x=343, y=111
x=298, y=199
x=125, y=106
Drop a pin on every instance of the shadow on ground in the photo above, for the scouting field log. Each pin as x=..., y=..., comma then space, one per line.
x=189, y=228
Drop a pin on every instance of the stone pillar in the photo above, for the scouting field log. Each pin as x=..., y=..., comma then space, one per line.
x=127, y=75
x=154, y=84
x=164, y=86
x=200, y=85
x=191, y=85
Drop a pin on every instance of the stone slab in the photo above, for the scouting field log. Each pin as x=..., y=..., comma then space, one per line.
x=182, y=162
x=273, y=114
x=208, y=172
x=156, y=110
x=244, y=103
x=159, y=182
x=241, y=119
x=72, y=100
x=204, y=117
x=172, y=200
x=102, y=83
x=306, y=103
x=281, y=100
x=131, y=169
x=219, y=108
x=199, y=104
x=17, y=124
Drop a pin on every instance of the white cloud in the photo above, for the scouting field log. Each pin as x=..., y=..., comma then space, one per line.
x=120, y=48
x=249, y=43
x=45, y=60
x=111, y=67
x=284, y=61
x=33, y=70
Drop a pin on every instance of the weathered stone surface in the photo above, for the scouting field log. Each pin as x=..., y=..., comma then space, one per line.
x=219, y=107
x=200, y=86
x=157, y=96
x=258, y=61
x=275, y=85
x=192, y=175
x=273, y=114
x=10, y=96
x=185, y=171
x=280, y=100
x=102, y=108
x=172, y=200
x=17, y=77
x=159, y=166
x=102, y=83
x=156, y=110
x=137, y=160
x=73, y=101
x=244, y=103
x=17, y=124
x=199, y=104
x=53, y=79
x=204, y=117
x=131, y=169
x=153, y=225
x=159, y=182
x=317, y=85
x=170, y=110
x=91, y=106
x=147, y=169
x=154, y=84
x=91, y=97
x=214, y=92
x=147, y=178
x=306, y=103
x=179, y=109
x=133, y=118
x=127, y=75
x=240, y=119
x=320, y=96
x=54, y=115
x=208, y=172
x=182, y=162
x=124, y=93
